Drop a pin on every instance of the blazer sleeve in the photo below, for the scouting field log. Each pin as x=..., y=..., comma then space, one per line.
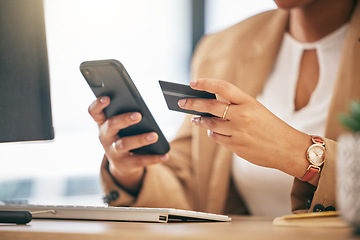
x=164, y=185
x=308, y=198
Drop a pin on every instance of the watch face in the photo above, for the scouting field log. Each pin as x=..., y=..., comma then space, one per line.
x=316, y=154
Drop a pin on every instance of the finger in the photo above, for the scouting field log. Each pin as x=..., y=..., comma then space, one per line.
x=96, y=109
x=222, y=88
x=135, y=161
x=217, y=125
x=213, y=106
x=220, y=138
x=127, y=144
x=110, y=128
x=141, y=161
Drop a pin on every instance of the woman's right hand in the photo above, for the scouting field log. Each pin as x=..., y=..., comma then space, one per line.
x=127, y=168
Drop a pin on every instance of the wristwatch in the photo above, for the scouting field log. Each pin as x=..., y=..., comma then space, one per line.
x=315, y=156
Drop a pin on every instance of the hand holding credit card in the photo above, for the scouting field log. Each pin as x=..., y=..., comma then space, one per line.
x=173, y=92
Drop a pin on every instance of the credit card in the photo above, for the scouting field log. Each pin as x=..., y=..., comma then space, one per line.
x=173, y=92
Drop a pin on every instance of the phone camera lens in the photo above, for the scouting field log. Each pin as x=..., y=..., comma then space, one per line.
x=92, y=77
x=86, y=73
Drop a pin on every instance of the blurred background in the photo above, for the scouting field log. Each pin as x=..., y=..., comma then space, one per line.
x=153, y=39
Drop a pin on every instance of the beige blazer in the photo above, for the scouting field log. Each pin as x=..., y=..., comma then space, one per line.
x=198, y=174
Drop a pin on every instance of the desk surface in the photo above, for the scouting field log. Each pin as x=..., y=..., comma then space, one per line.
x=239, y=228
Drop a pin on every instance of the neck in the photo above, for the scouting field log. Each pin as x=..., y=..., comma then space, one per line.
x=313, y=21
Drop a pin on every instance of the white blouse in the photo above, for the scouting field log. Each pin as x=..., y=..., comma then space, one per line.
x=266, y=191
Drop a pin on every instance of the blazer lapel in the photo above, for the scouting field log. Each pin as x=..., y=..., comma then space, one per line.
x=347, y=85
x=256, y=57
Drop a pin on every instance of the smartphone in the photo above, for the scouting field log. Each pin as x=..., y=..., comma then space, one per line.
x=109, y=78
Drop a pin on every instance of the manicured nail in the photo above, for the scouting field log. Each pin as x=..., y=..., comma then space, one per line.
x=195, y=120
x=193, y=83
x=164, y=158
x=209, y=132
x=182, y=102
x=118, y=144
x=135, y=116
x=102, y=99
x=151, y=137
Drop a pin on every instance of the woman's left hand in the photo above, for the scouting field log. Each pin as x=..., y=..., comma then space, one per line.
x=249, y=129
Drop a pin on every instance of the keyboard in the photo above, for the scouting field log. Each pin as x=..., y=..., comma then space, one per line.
x=104, y=213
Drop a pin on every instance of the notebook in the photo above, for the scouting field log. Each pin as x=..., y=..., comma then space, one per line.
x=330, y=219
x=103, y=213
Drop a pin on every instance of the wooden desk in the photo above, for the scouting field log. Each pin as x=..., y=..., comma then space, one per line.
x=239, y=228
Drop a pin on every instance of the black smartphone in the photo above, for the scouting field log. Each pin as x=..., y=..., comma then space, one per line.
x=109, y=78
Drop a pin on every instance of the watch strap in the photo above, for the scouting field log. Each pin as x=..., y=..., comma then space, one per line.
x=310, y=173
x=317, y=139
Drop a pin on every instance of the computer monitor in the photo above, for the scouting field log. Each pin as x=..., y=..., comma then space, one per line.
x=25, y=107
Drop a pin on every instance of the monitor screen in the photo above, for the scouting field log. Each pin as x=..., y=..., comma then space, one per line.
x=25, y=108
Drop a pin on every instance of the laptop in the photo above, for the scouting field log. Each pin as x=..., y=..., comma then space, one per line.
x=103, y=213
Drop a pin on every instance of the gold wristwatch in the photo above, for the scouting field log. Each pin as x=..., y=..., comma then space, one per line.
x=315, y=156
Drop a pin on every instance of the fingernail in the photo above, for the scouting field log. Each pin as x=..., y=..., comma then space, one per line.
x=182, y=102
x=151, y=137
x=117, y=144
x=193, y=83
x=135, y=116
x=102, y=99
x=195, y=120
x=164, y=158
x=209, y=132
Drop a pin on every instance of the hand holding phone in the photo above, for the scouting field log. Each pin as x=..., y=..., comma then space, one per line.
x=173, y=92
x=109, y=78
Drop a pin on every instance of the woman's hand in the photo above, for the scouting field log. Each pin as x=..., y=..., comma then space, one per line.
x=248, y=129
x=127, y=168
